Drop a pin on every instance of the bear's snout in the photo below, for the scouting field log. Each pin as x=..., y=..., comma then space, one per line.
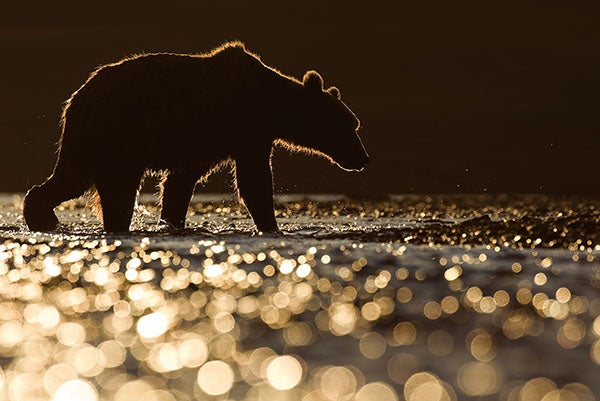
x=365, y=160
x=363, y=163
x=356, y=163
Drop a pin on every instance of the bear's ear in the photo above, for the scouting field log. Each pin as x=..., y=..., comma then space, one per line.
x=313, y=81
x=335, y=92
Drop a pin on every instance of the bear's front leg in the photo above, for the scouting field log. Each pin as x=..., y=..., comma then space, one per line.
x=177, y=192
x=255, y=189
x=117, y=190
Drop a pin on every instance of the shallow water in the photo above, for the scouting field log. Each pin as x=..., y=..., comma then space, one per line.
x=404, y=298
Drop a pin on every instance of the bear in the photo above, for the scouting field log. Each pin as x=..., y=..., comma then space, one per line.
x=185, y=115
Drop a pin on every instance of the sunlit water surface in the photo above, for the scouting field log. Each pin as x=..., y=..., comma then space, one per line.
x=405, y=298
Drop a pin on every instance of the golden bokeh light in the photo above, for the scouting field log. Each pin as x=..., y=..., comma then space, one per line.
x=338, y=383
x=192, y=351
x=595, y=352
x=56, y=376
x=481, y=345
x=432, y=310
x=284, y=372
x=453, y=273
x=75, y=390
x=371, y=311
x=440, y=343
x=134, y=389
x=480, y=378
x=343, y=318
x=537, y=388
x=152, y=325
x=113, y=353
x=501, y=298
x=215, y=377
x=307, y=315
x=449, y=304
x=376, y=391
x=404, y=333
x=578, y=392
x=425, y=386
x=70, y=334
x=372, y=345
x=402, y=366
x=540, y=279
x=404, y=295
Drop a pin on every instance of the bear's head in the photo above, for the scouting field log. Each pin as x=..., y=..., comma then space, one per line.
x=326, y=125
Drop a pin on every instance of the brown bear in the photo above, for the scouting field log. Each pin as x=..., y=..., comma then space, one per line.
x=184, y=115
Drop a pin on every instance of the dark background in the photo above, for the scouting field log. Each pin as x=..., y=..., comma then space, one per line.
x=455, y=97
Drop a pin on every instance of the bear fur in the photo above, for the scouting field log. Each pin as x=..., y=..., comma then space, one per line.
x=185, y=115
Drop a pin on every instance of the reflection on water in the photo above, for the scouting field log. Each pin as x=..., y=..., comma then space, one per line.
x=333, y=310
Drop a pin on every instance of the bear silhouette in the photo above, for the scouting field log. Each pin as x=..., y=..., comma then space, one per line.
x=186, y=115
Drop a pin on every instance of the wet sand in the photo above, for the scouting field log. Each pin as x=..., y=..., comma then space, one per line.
x=403, y=298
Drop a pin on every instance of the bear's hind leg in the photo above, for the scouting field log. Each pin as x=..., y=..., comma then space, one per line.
x=40, y=201
x=117, y=197
x=176, y=195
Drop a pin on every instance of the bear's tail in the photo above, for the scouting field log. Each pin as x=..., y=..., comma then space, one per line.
x=66, y=182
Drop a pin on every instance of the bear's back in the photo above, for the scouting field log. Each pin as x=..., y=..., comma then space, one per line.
x=181, y=107
x=228, y=58
x=166, y=75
